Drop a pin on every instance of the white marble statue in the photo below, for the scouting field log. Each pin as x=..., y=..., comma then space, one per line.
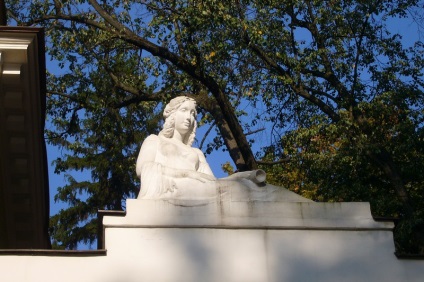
x=167, y=163
x=169, y=168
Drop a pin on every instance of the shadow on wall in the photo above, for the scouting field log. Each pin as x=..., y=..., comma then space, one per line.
x=333, y=256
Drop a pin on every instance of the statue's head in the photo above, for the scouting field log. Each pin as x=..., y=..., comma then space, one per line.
x=169, y=116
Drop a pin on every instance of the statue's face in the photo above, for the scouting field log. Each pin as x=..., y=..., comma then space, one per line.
x=185, y=117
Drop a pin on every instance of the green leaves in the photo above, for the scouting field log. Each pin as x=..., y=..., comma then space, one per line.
x=331, y=84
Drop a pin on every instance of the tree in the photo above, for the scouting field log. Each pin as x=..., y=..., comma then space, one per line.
x=335, y=85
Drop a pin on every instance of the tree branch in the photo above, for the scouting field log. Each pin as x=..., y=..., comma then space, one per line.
x=280, y=161
x=385, y=162
x=329, y=74
x=298, y=88
x=254, y=131
x=248, y=162
x=206, y=135
x=105, y=15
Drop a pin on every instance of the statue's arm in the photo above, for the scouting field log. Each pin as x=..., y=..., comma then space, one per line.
x=203, y=174
x=203, y=164
x=147, y=152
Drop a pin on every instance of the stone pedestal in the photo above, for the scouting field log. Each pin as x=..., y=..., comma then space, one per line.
x=233, y=240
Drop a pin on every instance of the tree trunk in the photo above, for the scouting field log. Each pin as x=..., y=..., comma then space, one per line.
x=385, y=162
x=230, y=142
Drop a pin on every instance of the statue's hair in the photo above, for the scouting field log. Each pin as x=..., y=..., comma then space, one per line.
x=169, y=116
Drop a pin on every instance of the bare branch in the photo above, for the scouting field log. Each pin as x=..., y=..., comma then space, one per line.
x=280, y=161
x=206, y=135
x=254, y=131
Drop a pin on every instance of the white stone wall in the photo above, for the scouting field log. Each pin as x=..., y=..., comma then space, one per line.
x=162, y=241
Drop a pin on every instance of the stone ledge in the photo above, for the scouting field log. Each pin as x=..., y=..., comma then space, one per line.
x=249, y=214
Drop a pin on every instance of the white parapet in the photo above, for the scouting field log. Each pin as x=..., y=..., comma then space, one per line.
x=232, y=241
x=247, y=214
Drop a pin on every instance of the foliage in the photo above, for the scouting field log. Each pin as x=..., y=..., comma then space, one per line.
x=333, y=87
x=331, y=162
